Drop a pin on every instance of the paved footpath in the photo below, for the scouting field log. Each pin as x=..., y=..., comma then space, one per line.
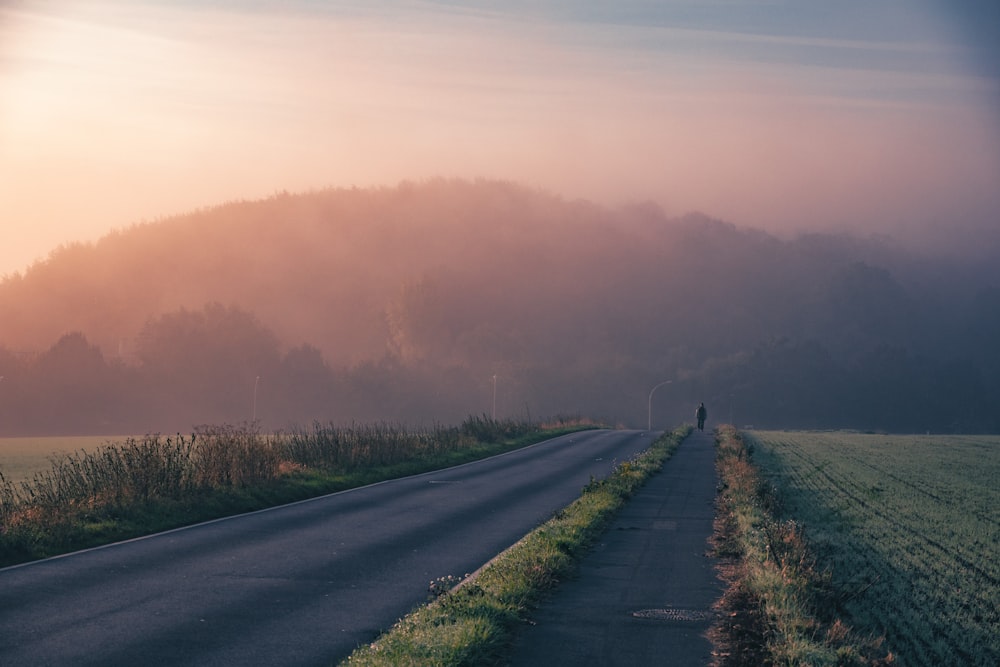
x=644, y=593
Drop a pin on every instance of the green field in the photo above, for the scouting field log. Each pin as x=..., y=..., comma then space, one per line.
x=21, y=458
x=909, y=529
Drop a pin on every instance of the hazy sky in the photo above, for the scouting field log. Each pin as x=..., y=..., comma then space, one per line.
x=780, y=114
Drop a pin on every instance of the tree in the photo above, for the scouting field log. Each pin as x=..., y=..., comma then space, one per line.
x=72, y=388
x=205, y=363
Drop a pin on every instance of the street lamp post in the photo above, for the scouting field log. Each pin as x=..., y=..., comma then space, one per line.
x=649, y=407
x=494, y=397
x=255, y=383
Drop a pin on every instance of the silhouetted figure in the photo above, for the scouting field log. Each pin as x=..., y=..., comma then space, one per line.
x=701, y=413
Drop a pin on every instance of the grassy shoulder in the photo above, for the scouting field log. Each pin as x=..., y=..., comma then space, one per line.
x=139, y=487
x=474, y=622
x=778, y=608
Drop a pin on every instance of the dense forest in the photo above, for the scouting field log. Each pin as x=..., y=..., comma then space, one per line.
x=426, y=302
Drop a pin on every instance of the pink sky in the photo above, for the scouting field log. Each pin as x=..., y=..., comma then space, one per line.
x=116, y=112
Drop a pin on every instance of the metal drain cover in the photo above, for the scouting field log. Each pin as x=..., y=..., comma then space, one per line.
x=675, y=614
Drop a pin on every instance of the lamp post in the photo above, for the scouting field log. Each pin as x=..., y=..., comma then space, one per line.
x=255, y=383
x=494, y=397
x=649, y=407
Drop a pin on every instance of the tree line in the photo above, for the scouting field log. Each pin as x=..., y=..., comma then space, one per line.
x=429, y=302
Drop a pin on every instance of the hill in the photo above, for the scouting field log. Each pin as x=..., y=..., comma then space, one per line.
x=403, y=304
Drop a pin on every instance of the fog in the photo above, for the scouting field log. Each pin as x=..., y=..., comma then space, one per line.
x=403, y=303
x=371, y=210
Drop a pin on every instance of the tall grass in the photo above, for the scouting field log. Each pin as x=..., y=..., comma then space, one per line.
x=115, y=473
x=343, y=449
x=233, y=466
x=778, y=608
x=228, y=456
x=22, y=457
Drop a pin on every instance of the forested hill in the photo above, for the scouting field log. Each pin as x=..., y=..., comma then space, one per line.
x=404, y=303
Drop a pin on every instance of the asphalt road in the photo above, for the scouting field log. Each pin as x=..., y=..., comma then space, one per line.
x=302, y=584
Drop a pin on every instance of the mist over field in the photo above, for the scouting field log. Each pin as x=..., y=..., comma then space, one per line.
x=415, y=303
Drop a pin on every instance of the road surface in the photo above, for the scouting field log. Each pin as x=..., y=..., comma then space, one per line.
x=302, y=584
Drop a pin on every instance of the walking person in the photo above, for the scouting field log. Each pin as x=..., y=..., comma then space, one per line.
x=701, y=413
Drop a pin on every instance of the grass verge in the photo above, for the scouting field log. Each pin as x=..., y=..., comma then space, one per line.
x=142, y=486
x=474, y=622
x=778, y=608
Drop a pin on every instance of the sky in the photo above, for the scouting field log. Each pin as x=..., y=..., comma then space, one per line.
x=878, y=116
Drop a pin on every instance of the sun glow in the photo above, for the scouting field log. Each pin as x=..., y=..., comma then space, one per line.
x=114, y=112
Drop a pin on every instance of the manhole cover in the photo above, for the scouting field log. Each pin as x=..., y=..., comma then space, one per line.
x=675, y=614
x=664, y=525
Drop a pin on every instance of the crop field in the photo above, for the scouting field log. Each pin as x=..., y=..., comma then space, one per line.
x=21, y=458
x=908, y=527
